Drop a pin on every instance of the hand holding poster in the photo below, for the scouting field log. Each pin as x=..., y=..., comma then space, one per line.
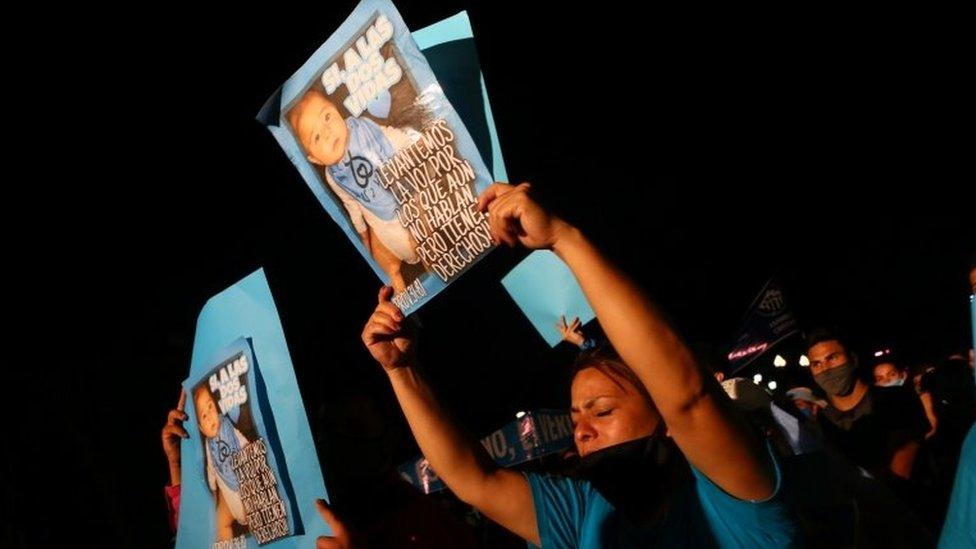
x=373, y=135
x=250, y=471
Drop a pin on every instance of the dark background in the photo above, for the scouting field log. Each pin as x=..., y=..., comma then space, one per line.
x=703, y=151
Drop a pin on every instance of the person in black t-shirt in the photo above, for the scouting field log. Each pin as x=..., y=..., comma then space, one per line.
x=878, y=428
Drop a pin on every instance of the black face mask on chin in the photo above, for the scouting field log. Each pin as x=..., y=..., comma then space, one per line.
x=637, y=477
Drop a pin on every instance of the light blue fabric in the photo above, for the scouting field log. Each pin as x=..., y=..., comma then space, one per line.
x=358, y=173
x=221, y=448
x=572, y=513
x=959, y=529
x=960, y=524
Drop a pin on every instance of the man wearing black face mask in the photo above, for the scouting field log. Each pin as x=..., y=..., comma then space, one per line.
x=877, y=428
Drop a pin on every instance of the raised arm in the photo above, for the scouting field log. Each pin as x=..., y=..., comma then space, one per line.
x=698, y=414
x=460, y=461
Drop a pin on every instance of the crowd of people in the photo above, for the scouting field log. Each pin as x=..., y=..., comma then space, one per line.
x=669, y=453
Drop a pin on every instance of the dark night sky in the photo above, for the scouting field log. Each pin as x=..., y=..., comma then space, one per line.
x=704, y=153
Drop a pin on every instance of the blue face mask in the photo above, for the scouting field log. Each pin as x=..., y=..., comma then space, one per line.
x=807, y=413
x=893, y=383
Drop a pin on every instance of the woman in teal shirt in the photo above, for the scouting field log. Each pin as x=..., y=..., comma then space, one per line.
x=665, y=459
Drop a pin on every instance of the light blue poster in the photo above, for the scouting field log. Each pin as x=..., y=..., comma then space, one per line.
x=374, y=135
x=546, y=290
x=450, y=50
x=250, y=472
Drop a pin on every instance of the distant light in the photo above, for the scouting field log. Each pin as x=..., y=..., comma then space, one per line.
x=771, y=385
x=878, y=353
x=779, y=361
x=519, y=415
x=804, y=361
x=757, y=379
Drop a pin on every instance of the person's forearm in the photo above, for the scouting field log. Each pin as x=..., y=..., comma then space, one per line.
x=175, y=476
x=457, y=459
x=698, y=415
x=644, y=340
x=173, y=505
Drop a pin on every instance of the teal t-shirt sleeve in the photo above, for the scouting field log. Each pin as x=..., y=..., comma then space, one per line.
x=560, y=505
x=960, y=524
x=742, y=523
